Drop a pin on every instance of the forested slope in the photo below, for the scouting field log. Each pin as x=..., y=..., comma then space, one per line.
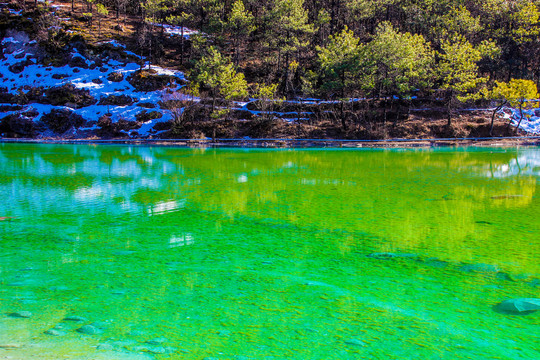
x=372, y=61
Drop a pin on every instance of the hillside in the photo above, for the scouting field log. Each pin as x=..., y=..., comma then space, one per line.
x=62, y=76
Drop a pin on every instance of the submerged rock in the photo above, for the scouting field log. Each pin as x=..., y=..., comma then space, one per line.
x=54, y=332
x=480, y=267
x=436, y=263
x=389, y=255
x=21, y=314
x=101, y=325
x=355, y=342
x=157, y=341
x=521, y=306
x=89, y=330
x=75, y=318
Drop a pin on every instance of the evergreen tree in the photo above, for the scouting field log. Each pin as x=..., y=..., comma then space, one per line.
x=402, y=62
x=240, y=25
x=217, y=74
x=289, y=30
x=458, y=71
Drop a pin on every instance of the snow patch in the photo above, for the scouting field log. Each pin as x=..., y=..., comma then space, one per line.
x=172, y=30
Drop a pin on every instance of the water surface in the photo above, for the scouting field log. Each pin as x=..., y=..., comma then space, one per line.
x=265, y=254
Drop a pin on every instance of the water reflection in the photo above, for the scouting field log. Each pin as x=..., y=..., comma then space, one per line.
x=458, y=205
x=263, y=253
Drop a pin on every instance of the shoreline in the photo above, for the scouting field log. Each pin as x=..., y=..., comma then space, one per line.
x=301, y=143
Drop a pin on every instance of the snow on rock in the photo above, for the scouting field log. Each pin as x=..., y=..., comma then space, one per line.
x=83, y=74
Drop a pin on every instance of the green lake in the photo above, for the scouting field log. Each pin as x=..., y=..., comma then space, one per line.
x=178, y=253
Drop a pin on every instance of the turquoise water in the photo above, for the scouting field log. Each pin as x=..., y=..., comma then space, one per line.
x=174, y=253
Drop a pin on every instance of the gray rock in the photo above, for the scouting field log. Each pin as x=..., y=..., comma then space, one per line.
x=89, y=330
x=106, y=347
x=520, y=306
x=21, y=314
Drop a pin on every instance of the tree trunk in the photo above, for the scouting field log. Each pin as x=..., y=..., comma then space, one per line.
x=493, y=117
x=449, y=110
x=342, y=115
x=520, y=118
x=182, y=43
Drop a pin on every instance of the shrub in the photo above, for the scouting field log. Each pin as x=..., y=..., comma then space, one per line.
x=145, y=116
x=108, y=128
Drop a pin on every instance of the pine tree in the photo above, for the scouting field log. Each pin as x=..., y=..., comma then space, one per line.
x=240, y=25
x=218, y=75
x=458, y=71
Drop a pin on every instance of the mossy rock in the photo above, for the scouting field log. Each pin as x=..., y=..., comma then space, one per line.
x=144, y=115
x=61, y=120
x=117, y=100
x=115, y=76
x=68, y=93
x=146, y=105
x=148, y=80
